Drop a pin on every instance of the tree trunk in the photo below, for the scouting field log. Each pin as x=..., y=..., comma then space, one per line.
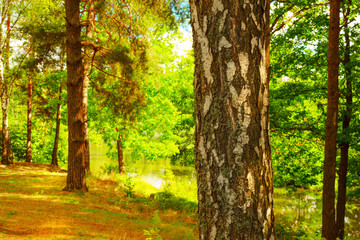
x=54, y=160
x=7, y=157
x=76, y=179
x=28, y=157
x=232, y=141
x=29, y=121
x=267, y=42
x=87, y=63
x=341, y=200
x=328, y=211
x=344, y=146
x=7, y=153
x=120, y=155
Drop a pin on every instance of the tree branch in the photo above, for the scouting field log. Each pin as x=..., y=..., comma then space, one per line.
x=272, y=30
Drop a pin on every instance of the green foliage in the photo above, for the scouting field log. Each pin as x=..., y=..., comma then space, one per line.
x=296, y=159
x=46, y=96
x=298, y=92
x=169, y=200
x=39, y=32
x=305, y=222
x=11, y=213
x=169, y=178
x=108, y=169
x=141, y=89
x=165, y=127
x=18, y=140
x=42, y=35
x=184, y=188
x=42, y=137
x=129, y=185
x=285, y=230
x=353, y=186
x=122, y=61
x=153, y=232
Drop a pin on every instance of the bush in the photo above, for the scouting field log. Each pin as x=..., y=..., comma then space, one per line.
x=168, y=200
x=108, y=169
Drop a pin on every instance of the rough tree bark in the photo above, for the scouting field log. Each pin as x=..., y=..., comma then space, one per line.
x=75, y=79
x=87, y=64
x=328, y=210
x=232, y=142
x=120, y=155
x=344, y=146
x=54, y=160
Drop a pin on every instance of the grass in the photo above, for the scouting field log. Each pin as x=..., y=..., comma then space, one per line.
x=33, y=206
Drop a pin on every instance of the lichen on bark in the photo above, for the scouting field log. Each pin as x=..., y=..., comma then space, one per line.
x=232, y=147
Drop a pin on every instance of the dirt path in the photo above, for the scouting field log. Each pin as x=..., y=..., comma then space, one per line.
x=32, y=206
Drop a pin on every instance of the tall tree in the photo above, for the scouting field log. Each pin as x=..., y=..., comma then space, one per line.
x=345, y=144
x=87, y=63
x=297, y=90
x=5, y=89
x=232, y=149
x=28, y=157
x=75, y=79
x=328, y=210
x=54, y=158
x=43, y=38
x=119, y=61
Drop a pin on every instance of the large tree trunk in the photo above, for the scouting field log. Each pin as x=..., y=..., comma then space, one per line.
x=54, y=160
x=328, y=211
x=76, y=179
x=29, y=121
x=344, y=146
x=120, y=155
x=232, y=148
x=87, y=63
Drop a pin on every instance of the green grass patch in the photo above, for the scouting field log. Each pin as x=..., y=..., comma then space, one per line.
x=11, y=213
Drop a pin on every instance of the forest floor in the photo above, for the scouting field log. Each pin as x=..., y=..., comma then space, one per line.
x=33, y=206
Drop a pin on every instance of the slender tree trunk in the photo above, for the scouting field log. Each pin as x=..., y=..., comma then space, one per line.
x=87, y=63
x=341, y=200
x=232, y=142
x=54, y=160
x=120, y=155
x=29, y=121
x=328, y=211
x=28, y=157
x=76, y=179
x=344, y=146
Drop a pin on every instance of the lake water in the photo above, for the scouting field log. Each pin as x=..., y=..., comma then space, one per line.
x=293, y=209
x=151, y=172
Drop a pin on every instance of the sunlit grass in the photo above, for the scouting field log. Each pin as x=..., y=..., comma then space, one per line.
x=108, y=209
x=34, y=201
